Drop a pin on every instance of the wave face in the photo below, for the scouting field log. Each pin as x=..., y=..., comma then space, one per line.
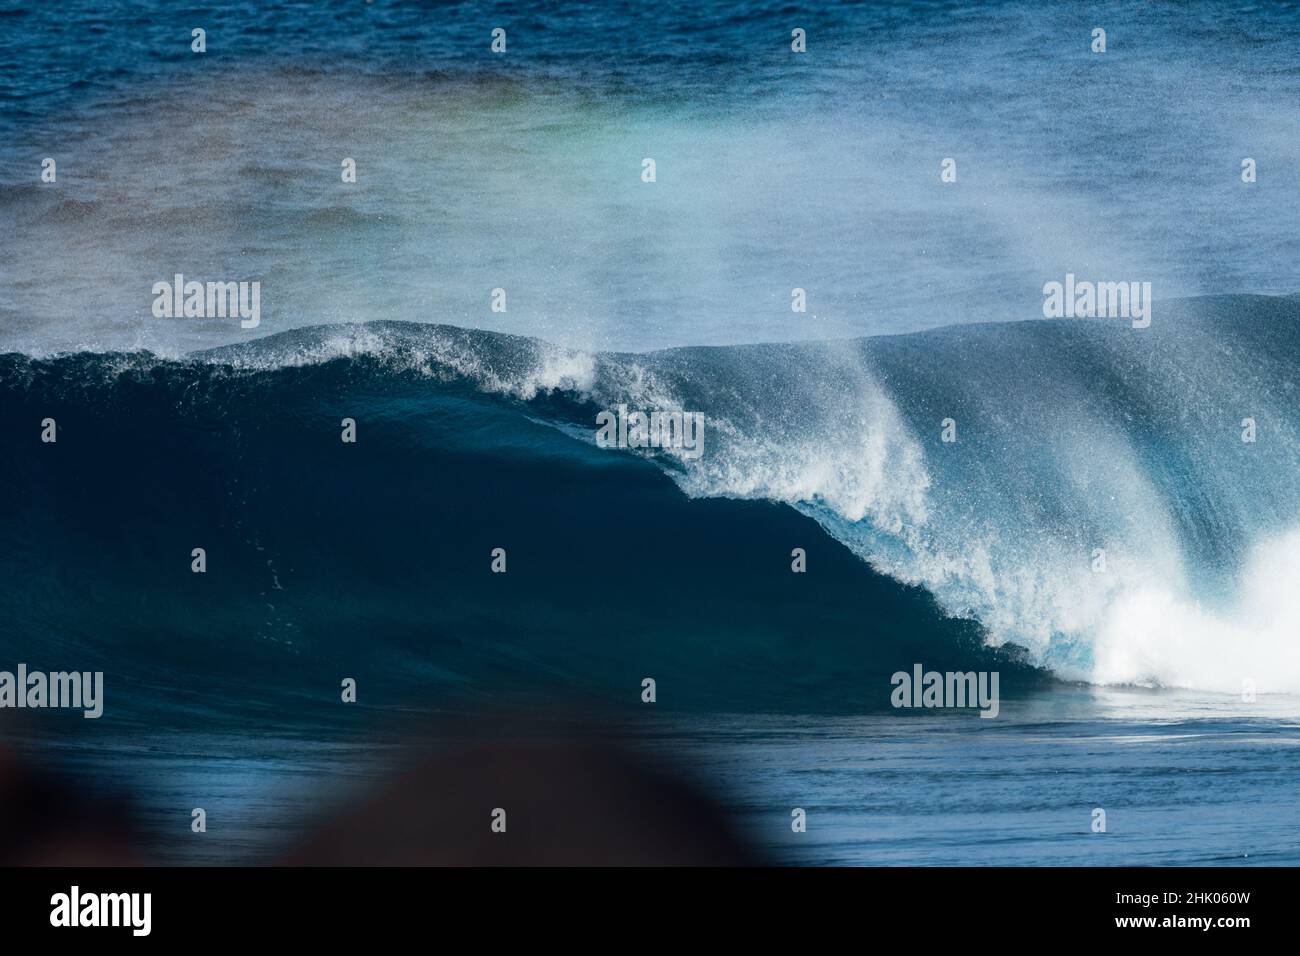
x=1072, y=438
x=1100, y=506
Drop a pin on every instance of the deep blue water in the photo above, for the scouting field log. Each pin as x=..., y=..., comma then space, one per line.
x=373, y=561
x=1183, y=779
x=1123, y=689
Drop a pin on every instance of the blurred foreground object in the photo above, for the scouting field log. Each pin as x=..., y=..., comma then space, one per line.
x=564, y=805
x=49, y=820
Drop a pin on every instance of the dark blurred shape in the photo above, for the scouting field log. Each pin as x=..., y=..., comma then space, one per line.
x=566, y=805
x=576, y=793
x=50, y=820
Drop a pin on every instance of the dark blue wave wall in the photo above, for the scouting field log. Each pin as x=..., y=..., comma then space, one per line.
x=372, y=560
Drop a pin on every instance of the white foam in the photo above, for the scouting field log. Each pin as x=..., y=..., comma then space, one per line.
x=1157, y=636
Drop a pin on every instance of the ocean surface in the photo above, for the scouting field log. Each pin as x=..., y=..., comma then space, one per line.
x=1162, y=687
x=522, y=170
x=1185, y=780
